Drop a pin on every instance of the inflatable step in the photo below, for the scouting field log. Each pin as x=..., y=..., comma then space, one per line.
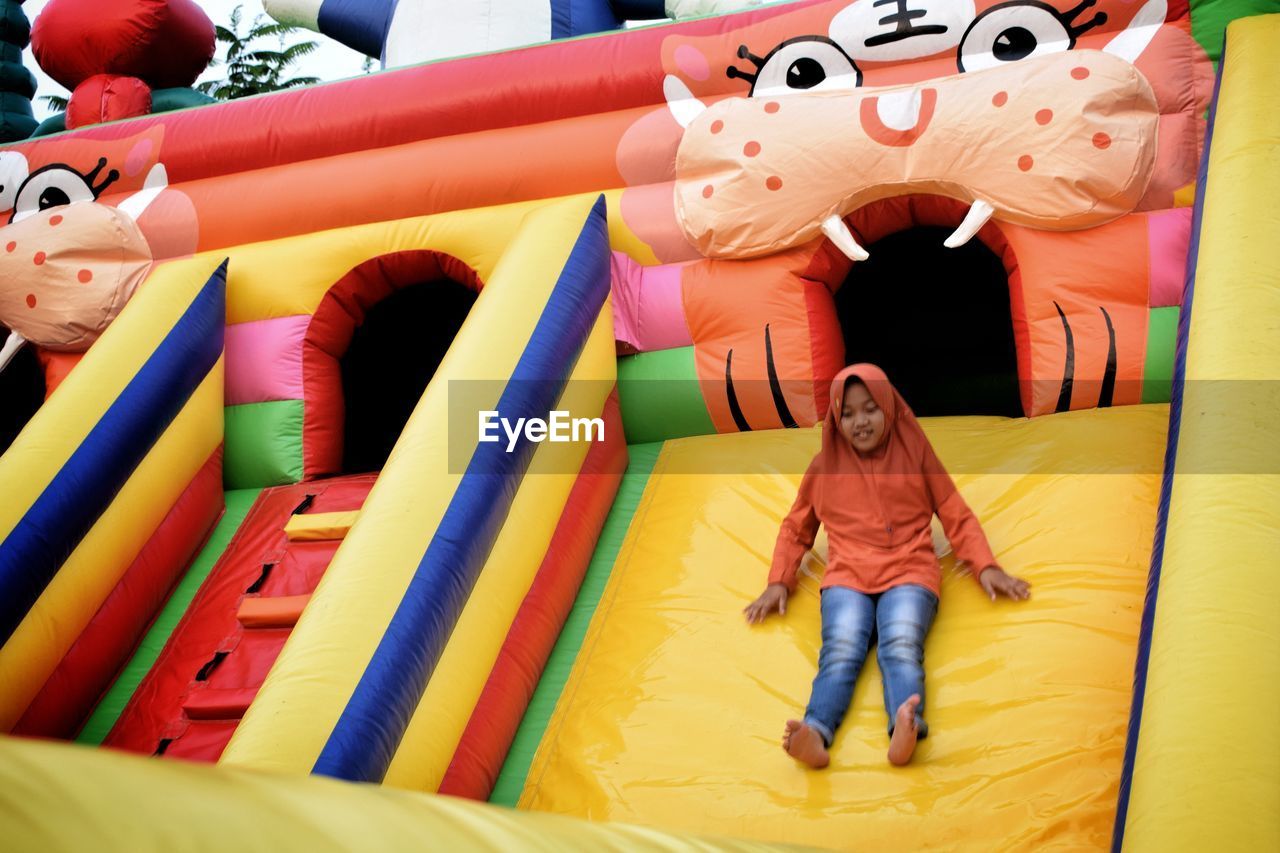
x=279, y=611
x=320, y=526
x=216, y=660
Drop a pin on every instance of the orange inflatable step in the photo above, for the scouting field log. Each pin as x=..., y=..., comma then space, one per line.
x=281, y=611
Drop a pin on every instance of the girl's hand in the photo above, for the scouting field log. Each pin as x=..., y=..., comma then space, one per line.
x=773, y=598
x=996, y=582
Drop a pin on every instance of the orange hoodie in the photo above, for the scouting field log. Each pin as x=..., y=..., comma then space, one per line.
x=877, y=507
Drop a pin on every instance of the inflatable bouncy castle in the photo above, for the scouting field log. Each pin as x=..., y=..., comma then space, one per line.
x=282, y=496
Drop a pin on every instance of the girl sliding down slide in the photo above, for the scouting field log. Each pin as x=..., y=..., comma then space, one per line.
x=876, y=485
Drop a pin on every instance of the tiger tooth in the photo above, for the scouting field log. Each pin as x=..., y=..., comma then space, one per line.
x=839, y=234
x=10, y=349
x=683, y=105
x=1134, y=38
x=977, y=216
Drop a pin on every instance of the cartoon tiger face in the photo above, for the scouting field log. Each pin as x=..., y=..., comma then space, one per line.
x=1034, y=114
x=84, y=221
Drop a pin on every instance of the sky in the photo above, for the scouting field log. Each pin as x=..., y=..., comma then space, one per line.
x=331, y=61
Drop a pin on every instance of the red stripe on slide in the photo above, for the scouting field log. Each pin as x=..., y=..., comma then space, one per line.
x=91, y=664
x=488, y=735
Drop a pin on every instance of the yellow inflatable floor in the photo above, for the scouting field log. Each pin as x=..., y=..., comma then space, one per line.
x=673, y=713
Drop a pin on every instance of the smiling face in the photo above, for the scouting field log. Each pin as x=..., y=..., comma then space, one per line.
x=861, y=420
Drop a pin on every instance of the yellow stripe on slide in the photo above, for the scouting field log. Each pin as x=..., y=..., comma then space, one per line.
x=316, y=673
x=437, y=725
x=1207, y=770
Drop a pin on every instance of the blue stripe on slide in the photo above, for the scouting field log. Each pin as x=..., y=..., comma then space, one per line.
x=359, y=24
x=1166, y=483
x=87, y=483
x=368, y=733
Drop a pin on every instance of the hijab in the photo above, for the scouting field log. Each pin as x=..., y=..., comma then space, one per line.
x=897, y=483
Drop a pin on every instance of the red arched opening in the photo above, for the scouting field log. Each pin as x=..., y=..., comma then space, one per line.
x=372, y=345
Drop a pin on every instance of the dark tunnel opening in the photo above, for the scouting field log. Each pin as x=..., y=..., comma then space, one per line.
x=937, y=320
x=392, y=356
x=22, y=390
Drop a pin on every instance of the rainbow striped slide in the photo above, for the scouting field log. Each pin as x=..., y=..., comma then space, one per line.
x=116, y=479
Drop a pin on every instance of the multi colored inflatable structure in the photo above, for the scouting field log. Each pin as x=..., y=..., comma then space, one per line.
x=260, y=522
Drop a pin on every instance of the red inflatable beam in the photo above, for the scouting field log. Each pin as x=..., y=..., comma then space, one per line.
x=493, y=724
x=74, y=687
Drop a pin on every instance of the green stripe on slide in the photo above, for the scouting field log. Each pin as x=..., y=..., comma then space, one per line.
x=661, y=397
x=545, y=696
x=108, y=710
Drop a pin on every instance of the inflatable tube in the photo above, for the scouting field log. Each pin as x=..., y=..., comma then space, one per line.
x=1210, y=636
x=521, y=662
x=93, y=661
x=541, y=505
x=120, y=439
x=57, y=798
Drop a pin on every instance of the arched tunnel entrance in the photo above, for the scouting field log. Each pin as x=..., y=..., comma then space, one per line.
x=937, y=320
x=22, y=389
x=393, y=354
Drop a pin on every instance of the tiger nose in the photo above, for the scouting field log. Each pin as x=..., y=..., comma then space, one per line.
x=898, y=118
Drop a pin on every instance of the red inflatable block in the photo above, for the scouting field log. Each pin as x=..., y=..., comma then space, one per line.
x=167, y=43
x=105, y=97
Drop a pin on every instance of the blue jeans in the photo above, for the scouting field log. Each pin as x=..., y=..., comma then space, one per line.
x=900, y=618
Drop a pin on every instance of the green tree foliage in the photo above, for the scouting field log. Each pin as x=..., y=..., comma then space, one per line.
x=17, y=85
x=252, y=69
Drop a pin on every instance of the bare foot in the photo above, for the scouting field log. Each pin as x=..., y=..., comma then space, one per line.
x=803, y=743
x=903, y=742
